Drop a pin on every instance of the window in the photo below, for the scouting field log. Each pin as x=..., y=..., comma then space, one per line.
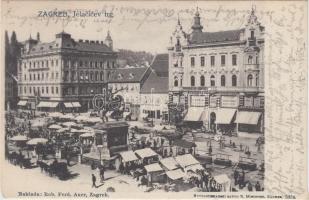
x=234, y=80
x=30, y=90
x=175, y=81
x=42, y=64
x=222, y=80
x=42, y=76
x=52, y=63
x=46, y=75
x=38, y=76
x=25, y=90
x=80, y=63
x=234, y=60
x=96, y=64
x=252, y=34
x=34, y=77
x=192, y=61
x=30, y=77
x=212, y=60
x=192, y=81
x=222, y=60
x=257, y=60
x=42, y=90
x=257, y=80
x=96, y=76
x=250, y=60
x=249, y=80
x=46, y=63
x=202, y=80
x=57, y=75
x=101, y=64
x=57, y=91
x=47, y=90
x=56, y=62
x=91, y=76
x=113, y=64
x=101, y=76
x=52, y=90
x=212, y=80
x=52, y=75
x=202, y=61
x=25, y=77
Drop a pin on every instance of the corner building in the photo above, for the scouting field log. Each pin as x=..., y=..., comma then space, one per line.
x=65, y=74
x=216, y=79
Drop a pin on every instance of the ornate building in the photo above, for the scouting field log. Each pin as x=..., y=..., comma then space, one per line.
x=63, y=74
x=216, y=79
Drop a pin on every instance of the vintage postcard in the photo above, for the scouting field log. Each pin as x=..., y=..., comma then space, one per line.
x=154, y=99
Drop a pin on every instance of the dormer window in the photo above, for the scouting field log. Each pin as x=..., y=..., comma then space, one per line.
x=131, y=76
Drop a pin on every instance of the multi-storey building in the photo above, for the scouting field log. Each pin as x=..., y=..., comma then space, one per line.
x=65, y=73
x=216, y=79
x=127, y=82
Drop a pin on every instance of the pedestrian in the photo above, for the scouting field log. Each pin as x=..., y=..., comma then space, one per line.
x=94, y=179
x=257, y=186
x=102, y=173
x=236, y=177
x=210, y=150
x=249, y=187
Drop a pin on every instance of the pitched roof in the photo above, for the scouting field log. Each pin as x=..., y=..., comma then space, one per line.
x=160, y=84
x=214, y=37
x=127, y=75
x=92, y=47
x=160, y=64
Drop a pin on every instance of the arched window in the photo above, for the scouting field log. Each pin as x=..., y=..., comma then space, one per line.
x=192, y=81
x=101, y=76
x=222, y=80
x=212, y=80
x=202, y=80
x=175, y=81
x=234, y=80
x=249, y=80
x=250, y=60
x=96, y=76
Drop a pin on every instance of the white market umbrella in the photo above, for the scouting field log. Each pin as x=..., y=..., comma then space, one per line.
x=68, y=124
x=54, y=126
x=19, y=138
x=35, y=141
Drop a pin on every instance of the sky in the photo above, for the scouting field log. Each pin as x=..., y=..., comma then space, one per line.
x=134, y=25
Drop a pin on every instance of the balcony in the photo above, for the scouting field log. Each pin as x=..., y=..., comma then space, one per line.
x=252, y=67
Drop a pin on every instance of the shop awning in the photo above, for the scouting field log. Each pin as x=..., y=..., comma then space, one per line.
x=184, y=144
x=153, y=167
x=186, y=160
x=194, y=114
x=225, y=115
x=204, y=116
x=68, y=104
x=22, y=103
x=45, y=104
x=169, y=163
x=128, y=156
x=245, y=117
x=175, y=174
x=145, y=153
x=76, y=104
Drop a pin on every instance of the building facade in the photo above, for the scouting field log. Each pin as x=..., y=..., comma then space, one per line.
x=64, y=74
x=127, y=82
x=216, y=79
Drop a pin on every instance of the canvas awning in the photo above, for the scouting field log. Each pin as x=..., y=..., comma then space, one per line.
x=245, y=117
x=22, y=103
x=225, y=115
x=186, y=160
x=145, y=153
x=175, y=174
x=204, y=116
x=153, y=167
x=193, y=114
x=76, y=104
x=128, y=156
x=169, y=163
x=45, y=104
x=194, y=167
x=68, y=104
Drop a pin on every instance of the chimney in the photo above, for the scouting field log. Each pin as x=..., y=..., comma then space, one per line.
x=80, y=40
x=102, y=42
x=97, y=42
x=87, y=41
x=92, y=41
